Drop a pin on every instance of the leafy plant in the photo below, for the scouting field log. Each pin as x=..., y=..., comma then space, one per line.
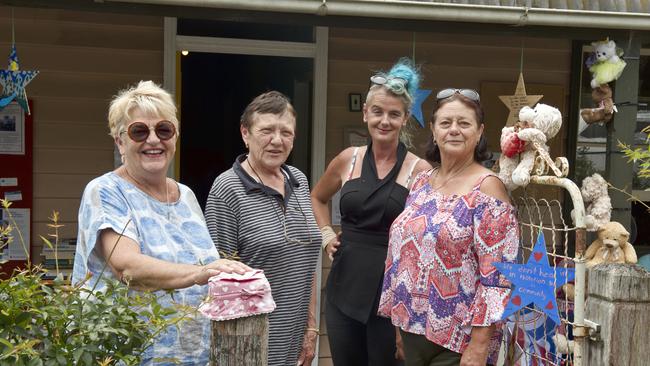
x=639, y=155
x=54, y=323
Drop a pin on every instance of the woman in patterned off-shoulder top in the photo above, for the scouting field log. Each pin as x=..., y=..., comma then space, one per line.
x=440, y=286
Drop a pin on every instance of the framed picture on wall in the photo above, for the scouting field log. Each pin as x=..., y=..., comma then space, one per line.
x=354, y=102
x=355, y=136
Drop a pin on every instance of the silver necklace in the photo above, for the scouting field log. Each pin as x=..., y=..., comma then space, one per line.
x=143, y=188
x=451, y=177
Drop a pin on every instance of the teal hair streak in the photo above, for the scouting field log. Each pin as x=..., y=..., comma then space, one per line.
x=404, y=69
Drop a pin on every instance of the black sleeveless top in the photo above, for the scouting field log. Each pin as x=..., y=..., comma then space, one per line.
x=368, y=207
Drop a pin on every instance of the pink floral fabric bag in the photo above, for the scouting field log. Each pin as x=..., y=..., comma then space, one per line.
x=232, y=296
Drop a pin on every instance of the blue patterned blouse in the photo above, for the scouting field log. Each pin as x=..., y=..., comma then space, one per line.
x=174, y=232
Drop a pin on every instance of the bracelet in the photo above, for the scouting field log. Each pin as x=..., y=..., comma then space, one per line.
x=328, y=234
x=313, y=330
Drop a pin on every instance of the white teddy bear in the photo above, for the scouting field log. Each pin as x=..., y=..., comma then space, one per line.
x=607, y=65
x=599, y=205
x=536, y=125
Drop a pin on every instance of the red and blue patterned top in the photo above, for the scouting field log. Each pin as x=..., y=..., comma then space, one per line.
x=439, y=279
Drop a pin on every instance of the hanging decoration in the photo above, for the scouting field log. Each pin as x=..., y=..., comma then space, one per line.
x=14, y=80
x=517, y=101
x=416, y=108
x=606, y=65
x=535, y=282
x=420, y=96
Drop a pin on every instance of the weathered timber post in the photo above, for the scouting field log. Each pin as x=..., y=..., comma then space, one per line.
x=240, y=342
x=619, y=300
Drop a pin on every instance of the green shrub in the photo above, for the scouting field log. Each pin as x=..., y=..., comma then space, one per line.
x=55, y=323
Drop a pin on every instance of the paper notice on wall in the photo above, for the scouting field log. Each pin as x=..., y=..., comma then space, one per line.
x=14, y=196
x=19, y=220
x=12, y=130
x=8, y=182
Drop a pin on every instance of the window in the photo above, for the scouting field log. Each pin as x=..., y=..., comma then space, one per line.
x=592, y=139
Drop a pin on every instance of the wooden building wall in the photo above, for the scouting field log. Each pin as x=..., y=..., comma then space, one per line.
x=463, y=61
x=84, y=59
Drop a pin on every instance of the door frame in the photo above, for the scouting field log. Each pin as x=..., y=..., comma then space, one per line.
x=317, y=51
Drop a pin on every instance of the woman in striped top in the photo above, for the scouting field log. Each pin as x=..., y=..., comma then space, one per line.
x=260, y=211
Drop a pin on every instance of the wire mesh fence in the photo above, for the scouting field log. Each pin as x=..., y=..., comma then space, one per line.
x=530, y=336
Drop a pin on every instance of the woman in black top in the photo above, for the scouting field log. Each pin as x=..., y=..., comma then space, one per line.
x=374, y=182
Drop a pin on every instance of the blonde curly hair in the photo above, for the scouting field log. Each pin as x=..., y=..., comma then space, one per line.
x=146, y=97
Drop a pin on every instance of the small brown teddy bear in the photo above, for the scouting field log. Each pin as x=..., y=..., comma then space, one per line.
x=602, y=97
x=612, y=246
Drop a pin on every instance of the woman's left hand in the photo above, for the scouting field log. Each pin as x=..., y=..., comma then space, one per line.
x=308, y=348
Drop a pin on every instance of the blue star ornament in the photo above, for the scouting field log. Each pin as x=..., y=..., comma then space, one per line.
x=14, y=81
x=535, y=282
x=416, y=108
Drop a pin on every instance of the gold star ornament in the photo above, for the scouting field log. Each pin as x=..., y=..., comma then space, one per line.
x=518, y=100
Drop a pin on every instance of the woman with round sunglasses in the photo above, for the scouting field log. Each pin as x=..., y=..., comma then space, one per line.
x=440, y=285
x=146, y=228
x=259, y=210
x=374, y=182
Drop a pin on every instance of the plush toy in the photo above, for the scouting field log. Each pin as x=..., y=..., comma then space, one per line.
x=607, y=66
x=602, y=96
x=598, y=208
x=612, y=246
x=535, y=126
x=562, y=344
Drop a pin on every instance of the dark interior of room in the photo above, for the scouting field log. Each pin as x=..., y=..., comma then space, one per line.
x=215, y=89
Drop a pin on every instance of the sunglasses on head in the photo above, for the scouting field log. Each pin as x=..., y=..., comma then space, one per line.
x=468, y=93
x=395, y=84
x=139, y=131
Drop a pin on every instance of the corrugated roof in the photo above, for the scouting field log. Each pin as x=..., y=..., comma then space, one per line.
x=610, y=14
x=625, y=6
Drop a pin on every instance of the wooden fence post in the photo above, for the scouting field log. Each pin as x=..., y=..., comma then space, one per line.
x=240, y=342
x=619, y=300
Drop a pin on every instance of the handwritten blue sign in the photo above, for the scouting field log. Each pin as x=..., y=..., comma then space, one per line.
x=535, y=282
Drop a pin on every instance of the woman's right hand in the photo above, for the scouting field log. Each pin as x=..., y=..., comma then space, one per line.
x=220, y=265
x=333, y=246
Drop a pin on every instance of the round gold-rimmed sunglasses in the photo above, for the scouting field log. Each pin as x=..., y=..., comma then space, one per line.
x=139, y=131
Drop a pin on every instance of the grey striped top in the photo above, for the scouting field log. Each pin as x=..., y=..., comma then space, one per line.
x=248, y=218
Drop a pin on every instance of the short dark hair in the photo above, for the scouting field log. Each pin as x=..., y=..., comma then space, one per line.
x=481, y=152
x=271, y=102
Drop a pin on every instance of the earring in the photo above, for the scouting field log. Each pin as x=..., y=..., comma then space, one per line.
x=122, y=158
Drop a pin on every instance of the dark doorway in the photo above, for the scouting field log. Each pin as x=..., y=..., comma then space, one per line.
x=215, y=89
